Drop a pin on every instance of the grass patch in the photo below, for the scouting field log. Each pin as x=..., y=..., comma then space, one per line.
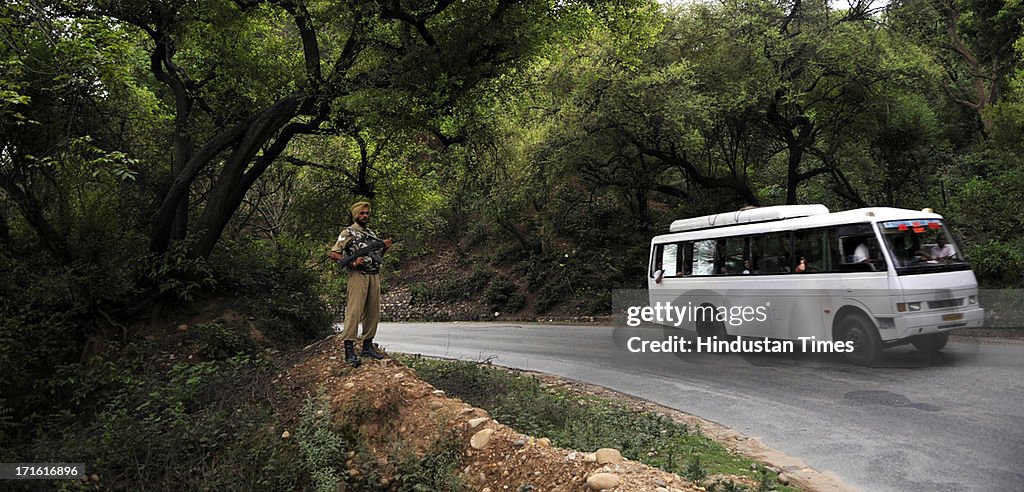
x=586, y=423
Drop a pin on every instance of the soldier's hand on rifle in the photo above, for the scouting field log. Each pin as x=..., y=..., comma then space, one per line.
x=358, y=262
x=388, y=242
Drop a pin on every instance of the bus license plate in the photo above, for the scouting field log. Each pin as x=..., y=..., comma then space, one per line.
x=952, y=317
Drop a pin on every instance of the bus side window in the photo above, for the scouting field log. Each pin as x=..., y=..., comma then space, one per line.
x=775, y=253
x=656, y=260
x=720, y=257
x=809, y=245
x=859, y=250
x=735, y=255
x=704, y=257
x=670, y=259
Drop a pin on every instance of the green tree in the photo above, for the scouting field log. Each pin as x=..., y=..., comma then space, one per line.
x=242, y=79
x=972, y=40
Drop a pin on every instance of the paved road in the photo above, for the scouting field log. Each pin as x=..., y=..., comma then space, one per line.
x=952, y=423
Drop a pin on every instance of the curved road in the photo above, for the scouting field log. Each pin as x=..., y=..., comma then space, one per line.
x=953, y=422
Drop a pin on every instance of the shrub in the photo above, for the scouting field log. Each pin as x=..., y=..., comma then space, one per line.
x=188, y=426
x=438, y=469
x=998, y=263
x=321, y=447
x=217, y=342
x=501, y=295
x=277, y=287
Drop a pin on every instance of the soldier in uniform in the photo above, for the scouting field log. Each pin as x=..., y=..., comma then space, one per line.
x=363, y=300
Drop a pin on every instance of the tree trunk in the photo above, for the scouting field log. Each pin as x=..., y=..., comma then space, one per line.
x=53, y=241
x=237, y=176
x=796, y=155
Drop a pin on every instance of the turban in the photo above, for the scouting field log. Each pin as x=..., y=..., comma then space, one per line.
x=358, y=207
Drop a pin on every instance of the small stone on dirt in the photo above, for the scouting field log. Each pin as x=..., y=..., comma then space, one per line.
x=481, y=439
x=602, y=481
x=608, y=455
x=474, y=423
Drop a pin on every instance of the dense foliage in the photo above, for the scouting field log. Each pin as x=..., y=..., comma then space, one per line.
x=158, y=154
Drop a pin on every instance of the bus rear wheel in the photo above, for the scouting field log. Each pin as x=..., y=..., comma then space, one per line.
x=867, y=345
x=707, y=328
x=931, y=343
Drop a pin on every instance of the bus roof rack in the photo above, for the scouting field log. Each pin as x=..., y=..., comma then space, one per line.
x=747, y=216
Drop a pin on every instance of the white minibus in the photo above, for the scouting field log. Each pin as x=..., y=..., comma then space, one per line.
x=869, y=278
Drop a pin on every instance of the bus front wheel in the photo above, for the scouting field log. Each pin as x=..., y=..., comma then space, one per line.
x=931, y=343
x=867, y=345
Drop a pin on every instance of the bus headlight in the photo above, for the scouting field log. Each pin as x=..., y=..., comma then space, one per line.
x=908, y=306
x=972, y=299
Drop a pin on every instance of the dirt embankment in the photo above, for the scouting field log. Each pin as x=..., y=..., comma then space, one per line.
x=393, y=409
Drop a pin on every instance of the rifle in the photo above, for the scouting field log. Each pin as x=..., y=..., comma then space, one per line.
x=368, y=250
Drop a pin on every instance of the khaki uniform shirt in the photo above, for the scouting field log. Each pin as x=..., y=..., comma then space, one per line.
x=354, y=237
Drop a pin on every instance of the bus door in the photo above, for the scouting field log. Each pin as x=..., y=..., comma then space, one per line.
x=865, y=280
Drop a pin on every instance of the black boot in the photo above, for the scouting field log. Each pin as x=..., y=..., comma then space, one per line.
x=350, y=354
x=370, y=351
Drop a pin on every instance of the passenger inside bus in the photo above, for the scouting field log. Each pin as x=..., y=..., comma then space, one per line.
x=867, y=252
x=862, y=252
x=945, y=250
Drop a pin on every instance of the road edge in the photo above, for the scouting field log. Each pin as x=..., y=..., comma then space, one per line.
x=792, y=469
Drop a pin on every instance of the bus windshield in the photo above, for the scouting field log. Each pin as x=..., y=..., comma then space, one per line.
x=921, y=246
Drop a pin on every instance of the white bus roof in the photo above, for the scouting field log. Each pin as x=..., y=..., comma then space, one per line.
x=772, y=219
x=747, y=216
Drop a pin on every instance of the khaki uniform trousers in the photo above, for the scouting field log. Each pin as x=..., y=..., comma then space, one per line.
x=362, y=303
